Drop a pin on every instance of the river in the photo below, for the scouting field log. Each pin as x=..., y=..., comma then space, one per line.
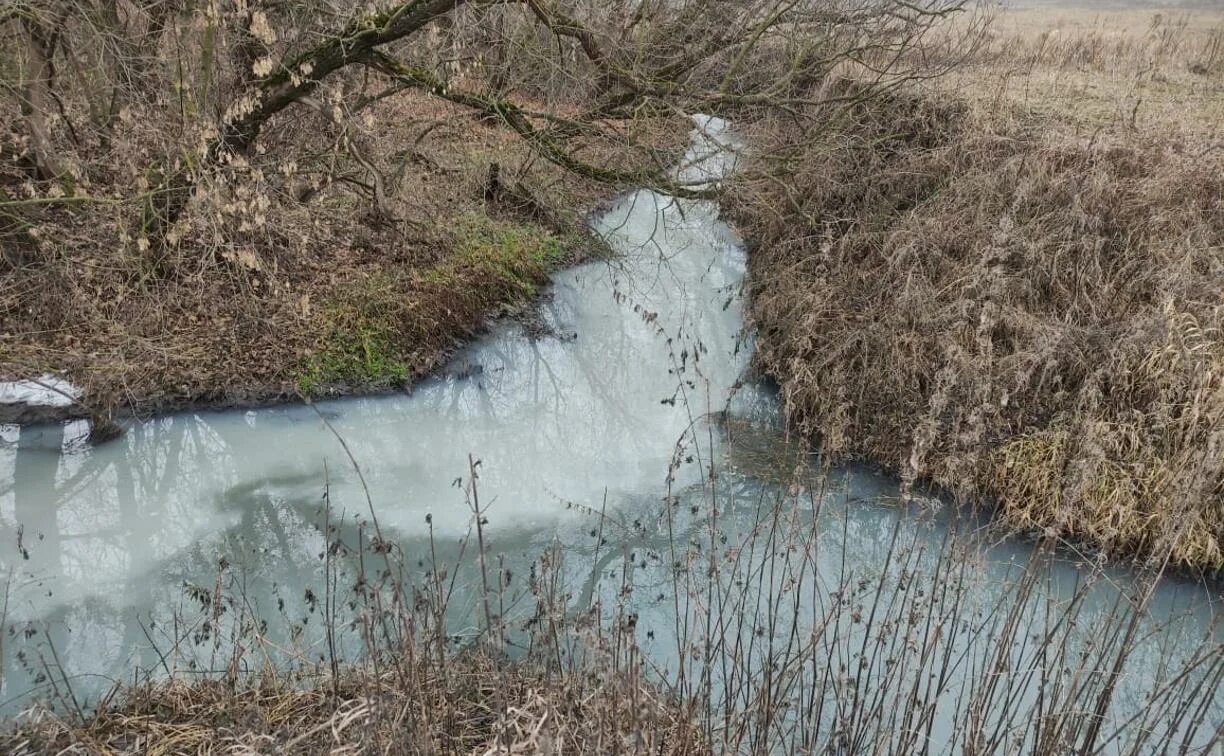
x=629, y=438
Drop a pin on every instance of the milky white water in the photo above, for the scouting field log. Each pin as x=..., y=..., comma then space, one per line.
x=107, y=550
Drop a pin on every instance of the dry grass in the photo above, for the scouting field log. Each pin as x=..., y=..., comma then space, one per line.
x=478, y=706
x=1081, y=69
x=1019, y=310
x=264, y=295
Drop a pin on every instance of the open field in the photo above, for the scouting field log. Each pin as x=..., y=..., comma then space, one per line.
x=1082, y=69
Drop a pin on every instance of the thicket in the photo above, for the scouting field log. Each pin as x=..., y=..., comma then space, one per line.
x=1023, y=315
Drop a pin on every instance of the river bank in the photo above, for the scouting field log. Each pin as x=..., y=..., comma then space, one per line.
x=346, y=293
x=634, y=565
x=1016, y=297
x=596, y=530
x=1050, y=340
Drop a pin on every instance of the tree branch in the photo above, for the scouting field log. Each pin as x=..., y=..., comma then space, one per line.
x=518, y=120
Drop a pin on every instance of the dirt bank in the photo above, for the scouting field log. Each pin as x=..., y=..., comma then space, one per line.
x=345, y=287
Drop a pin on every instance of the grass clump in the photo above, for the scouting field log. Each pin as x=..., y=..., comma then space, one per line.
x=360, y=339
x=360, y=357
x=511, y=260
x=470, y=704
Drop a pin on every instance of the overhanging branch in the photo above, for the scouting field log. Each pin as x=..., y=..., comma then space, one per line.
x=519, y=121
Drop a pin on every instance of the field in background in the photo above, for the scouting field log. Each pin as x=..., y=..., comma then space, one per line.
x=1084, y=68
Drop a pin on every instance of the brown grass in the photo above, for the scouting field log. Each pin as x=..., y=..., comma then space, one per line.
x=1081, y=69
x=264, y=295
x=479, y=706
x=965, y=292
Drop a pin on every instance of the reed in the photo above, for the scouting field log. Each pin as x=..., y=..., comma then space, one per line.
x=994, y=284
x=733, y=617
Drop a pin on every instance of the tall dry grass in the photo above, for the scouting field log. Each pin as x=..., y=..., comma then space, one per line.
x=732, y=619
x=966, y=289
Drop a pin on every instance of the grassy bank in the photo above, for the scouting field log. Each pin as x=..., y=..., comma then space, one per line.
x=1010, y=281
x=365, y=277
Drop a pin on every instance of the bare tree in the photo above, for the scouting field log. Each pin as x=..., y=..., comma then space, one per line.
x=617, y=60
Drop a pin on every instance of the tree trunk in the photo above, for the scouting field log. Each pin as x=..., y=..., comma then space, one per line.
x=35, y=100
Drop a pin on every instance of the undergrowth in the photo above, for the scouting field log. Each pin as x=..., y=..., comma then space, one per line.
x=1017, y=313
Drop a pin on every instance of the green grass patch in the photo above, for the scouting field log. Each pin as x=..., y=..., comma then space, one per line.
x=361, y=327
x=383, y=328
x=364, y=356
x=510, y=259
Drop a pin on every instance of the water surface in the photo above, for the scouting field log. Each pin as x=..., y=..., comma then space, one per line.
x=596, y=439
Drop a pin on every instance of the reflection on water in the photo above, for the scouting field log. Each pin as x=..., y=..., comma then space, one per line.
x=116, y=557
x=100, y=542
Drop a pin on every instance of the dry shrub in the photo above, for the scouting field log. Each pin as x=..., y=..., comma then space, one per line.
x=474, y=704
x=1028, y=316
x=271, y=256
